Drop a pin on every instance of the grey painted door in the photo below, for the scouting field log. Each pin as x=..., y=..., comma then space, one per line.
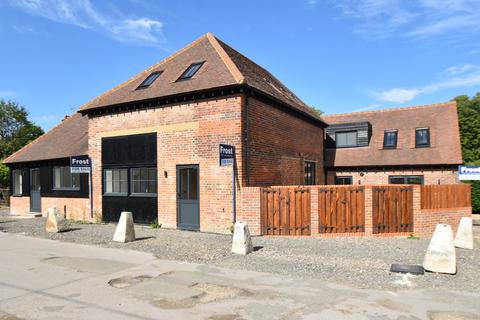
x=188, y=214
x=35, y=200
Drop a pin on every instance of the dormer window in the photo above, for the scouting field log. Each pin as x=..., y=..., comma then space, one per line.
x=346, y=139
x=149, y=80
x=191, y=70
x=390, y=139
x=422, y=137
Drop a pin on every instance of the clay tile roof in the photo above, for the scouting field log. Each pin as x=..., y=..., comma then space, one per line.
x=69, y=138
x=441, y=119
x=223, y=66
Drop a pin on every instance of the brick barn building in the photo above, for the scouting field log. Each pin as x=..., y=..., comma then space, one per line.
x=154, y=143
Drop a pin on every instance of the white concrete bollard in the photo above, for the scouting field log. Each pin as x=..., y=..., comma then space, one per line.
x=55, y=221
x=440, y=256
x=464, y=236
x=125, y=230
x=242, y=241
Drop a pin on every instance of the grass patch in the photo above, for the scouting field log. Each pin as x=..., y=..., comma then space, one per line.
x=155, y=224
x=413, y=237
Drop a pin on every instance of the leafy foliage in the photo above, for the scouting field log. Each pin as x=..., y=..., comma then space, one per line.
x=4, y=175
x=469, y=119
x=15, y=132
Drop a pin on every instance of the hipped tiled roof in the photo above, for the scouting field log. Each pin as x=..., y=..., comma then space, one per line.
x=441, y=119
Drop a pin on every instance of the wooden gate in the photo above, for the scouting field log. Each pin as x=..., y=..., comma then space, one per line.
x=392, y=209
x=341, y=209
x=285, y=211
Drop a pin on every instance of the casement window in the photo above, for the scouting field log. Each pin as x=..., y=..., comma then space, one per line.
x=309, y=173
x=190, y=71
x=422, y=137
x=344, y=180
x=149, y=80
x=346, y=139
x=143, y=181
x=17, y=181
x=390, y=139
x=115, y=181
x=405, y=179
x=64, y=179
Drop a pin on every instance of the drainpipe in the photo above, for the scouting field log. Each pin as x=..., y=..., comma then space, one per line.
x=247, y=146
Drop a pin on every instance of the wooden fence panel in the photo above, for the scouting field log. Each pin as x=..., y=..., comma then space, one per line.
x=444, y=196
x=392, y=209
x=285, y=211
x=341, y=209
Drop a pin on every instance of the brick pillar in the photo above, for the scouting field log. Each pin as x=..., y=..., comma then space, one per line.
x=314, y=210
x=368, y=211
x=418, y=220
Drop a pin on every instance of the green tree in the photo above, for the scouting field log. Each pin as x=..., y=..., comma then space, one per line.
x=469, y=120
x=15, y=132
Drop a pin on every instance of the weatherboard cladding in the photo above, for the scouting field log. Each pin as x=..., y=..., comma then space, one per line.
x=441, y=119
x=363, y=132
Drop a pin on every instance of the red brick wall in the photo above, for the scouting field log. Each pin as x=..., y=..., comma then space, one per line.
x=427, y=219
x=278, y=145
x=187, y=133
x=75, y=208
x=19, y=205
x=381, y=177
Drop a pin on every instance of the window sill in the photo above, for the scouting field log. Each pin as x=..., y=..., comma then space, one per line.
x=17, y=195
x=115, y=194
x=66, y=189
x=144, y=195
x=425, y=146
x=389, y=148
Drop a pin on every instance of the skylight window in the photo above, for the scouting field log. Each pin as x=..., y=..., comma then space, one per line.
x=152, y=77
x=191, y=70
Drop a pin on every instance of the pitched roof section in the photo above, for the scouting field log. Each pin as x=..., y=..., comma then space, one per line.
x=441, y=119
x=223, y=66
x=69, y=138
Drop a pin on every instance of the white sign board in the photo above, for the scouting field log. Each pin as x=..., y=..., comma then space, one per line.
x=469, y=172
x=80, y=164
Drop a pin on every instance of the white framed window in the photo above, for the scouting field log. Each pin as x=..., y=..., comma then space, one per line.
x=17, y=180
x=64, y=179
x=143, y=181
x=115, y=181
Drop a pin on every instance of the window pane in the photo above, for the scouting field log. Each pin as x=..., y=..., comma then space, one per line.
x=152, y=186
x=17, y=181
x=57, y=177
x=346, y=139
x=116, y=183
x=76, y=180
x=193, y=184
x=415, y=180
x=422, y=137
x=397, y=180
x=183, y=183
x=108, y=181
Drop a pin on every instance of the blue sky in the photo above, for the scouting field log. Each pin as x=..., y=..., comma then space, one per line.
x=338, y=56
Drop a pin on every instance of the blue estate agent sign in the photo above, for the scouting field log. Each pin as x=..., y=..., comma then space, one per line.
x=80, y=164
x=227, y=155
x=469, y=172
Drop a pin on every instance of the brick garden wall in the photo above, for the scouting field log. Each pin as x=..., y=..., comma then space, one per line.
x=19, y=205
x=74, y=208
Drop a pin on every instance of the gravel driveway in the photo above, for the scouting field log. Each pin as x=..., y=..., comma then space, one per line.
x=359, y=262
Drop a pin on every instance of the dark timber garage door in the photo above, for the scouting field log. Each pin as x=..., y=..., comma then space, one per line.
x=130, y=177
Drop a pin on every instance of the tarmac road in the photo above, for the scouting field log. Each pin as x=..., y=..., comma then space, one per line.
x=45, y=279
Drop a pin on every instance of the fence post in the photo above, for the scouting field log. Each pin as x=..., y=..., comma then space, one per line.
x=314, y=210
x=368, y=210
x=418, y=220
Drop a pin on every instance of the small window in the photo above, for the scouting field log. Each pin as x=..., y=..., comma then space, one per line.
x=191, y=70
x=144, y=180
x=17, y=182
x=344, y=180
x=309, y=173
x=390, y=139
x=64, y=179
x=152, y=77
x=405, y=179
x=346, y=139
x=116, y=181
x=422, y=137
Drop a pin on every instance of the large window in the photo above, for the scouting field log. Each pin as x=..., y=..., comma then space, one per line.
x=17, y=182
x=346, y=139
x=116, y=181
x=390, y=139
x=405, y=179
x=64, y=179
x=422, y=137
x=150, y=79
x=143, y=180
x=309, y=173
x=345, y=180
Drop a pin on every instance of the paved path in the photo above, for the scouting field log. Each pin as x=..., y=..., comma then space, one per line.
x=45, y=279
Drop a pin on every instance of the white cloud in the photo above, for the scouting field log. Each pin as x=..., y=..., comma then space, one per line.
x=83, y=14
x=418, y=19
x=456, y=77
